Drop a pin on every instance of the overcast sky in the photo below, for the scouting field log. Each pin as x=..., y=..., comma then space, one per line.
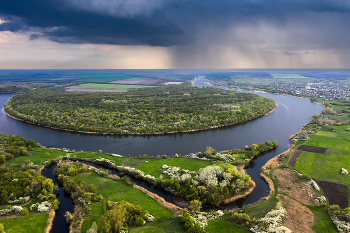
x=202, y=34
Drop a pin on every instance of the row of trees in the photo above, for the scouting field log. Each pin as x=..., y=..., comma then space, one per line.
x=148, y=110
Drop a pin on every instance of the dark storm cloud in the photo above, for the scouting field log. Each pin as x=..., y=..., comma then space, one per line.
x=62, y=23
x=289, y=54
x=175, y=22
x=34, y=36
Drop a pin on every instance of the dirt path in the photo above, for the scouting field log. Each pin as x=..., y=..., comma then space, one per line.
x=299, y=218
x=290, y=185
x=294, y=158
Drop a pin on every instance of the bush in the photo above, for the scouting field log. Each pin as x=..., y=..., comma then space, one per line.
x=97, y=198
x=195, y=206
x=241, y=219
x=25, y=211
x=305, y=177
x=285, y=165
x=2, y=228
x=187, y=220
x=334, y=210
x=139, y=221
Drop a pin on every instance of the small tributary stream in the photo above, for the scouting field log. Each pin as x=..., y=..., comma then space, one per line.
x=66, y=203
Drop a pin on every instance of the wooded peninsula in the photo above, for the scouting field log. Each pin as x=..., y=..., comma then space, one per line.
x=168, y=109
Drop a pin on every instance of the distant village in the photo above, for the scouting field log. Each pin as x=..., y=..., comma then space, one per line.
x=326, y=91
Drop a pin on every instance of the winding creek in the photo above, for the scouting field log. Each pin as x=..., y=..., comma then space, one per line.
x=289, y=116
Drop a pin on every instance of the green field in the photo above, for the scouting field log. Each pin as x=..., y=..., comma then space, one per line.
x=117, y=191
x=152, y=166
x=224, y=224
x=322, y=223
x=327, y=166
x=339, y=140
x=341, y=118
x=287, y=76
x=169, y=225
x=33, y=223
x=110, y=86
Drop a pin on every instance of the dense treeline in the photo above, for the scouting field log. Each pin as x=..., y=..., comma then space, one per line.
x=27, y=181
x=13, y=146
x=148, y=110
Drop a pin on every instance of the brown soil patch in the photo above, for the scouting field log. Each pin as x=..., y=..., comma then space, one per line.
x=49, y=222
x=335, y=193
x=147, y=81
x=294, y=158
x=319, y=150
x=81, y=89
x=299, y=218
x=177, y=210
x=111, y=204
x=268, y=182
x=296, y=189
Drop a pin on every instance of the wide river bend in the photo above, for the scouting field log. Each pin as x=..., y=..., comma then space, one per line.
x=289, y=116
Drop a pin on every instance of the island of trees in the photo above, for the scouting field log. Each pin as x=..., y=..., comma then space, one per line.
x=179, y=108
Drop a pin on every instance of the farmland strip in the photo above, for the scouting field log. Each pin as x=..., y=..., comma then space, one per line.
x=335, y=193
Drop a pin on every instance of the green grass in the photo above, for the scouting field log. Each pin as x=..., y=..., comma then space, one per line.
x=287, y=76
x=322, y=223
x=33, y=223
x=324, y=167
x=109, y=86
x=344, y=118
x=97, y=211
x=327, y=166
x=170, y=225
x=117, y=191
x=154, y=167
x=224, y=224
x=339, y=140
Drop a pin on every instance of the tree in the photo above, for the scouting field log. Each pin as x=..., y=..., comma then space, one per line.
x=24, y=211
x=68, y=216
x=195, y=206
x=2, y=158
x=112, y=220
x=303, y=134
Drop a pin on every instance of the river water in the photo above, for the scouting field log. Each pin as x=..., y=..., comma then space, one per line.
x=289, y=116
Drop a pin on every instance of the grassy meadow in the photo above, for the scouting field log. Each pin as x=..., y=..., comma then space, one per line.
x=116, y=191
x=33, y=223
x=327, y=166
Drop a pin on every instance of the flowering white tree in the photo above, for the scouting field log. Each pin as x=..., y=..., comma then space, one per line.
x=209, y=175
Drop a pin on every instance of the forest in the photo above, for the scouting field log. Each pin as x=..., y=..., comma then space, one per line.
x=165, y=109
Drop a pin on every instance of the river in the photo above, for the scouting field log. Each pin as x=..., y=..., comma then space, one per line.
x=289, y=116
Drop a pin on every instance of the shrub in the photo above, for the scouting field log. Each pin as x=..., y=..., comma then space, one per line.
x=2, y=228
x=305, y=177
x=285, y=165
x=97, y=198
x=334, y=210
x=25, y=211
x=241, y=219
x=139, y=221
x=195, y=206
x=187, y=220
